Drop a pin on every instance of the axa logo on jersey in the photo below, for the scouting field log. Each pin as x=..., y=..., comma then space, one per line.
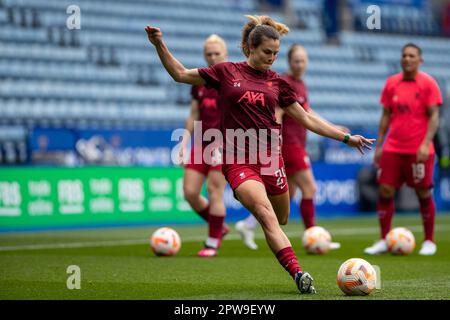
x=253, y=97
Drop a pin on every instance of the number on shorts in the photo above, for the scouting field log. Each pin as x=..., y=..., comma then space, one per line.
x=418, y=170
x=280, y=174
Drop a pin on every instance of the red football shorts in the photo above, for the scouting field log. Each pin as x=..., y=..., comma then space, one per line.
x=203, y=167
x=396, y=169
x=275, y=183
x=295, y=158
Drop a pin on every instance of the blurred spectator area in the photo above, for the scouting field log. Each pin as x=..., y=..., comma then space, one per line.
x=415, y=17
x=106, y=74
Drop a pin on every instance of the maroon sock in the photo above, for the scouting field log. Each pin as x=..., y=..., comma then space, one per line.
x=288, y=260
x=204, y=213
x=428, y=211
x=307, y=210
x=385, y=209
x=215, y=226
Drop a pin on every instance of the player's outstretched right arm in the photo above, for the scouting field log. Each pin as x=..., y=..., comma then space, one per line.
x=176, y=70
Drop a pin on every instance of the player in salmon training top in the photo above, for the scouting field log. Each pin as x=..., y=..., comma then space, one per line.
x=410, y=100
x=204, y=108
x=295, y=156
x=249, y=92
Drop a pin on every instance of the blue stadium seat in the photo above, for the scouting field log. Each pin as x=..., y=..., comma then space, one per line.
x=109, y=72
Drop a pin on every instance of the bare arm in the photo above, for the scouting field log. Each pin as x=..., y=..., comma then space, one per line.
x=189, y=125
x=382, y=129
x=279, y=112
x=176, y=70
x=317, y=125
x=433, y=123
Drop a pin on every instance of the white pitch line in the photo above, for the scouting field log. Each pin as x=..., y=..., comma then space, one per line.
x=90, y=244
x=117, y=243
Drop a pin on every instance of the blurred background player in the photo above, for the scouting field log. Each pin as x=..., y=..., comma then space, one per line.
x=410, y=102
x=204, y=108
x=249, y=92
x=295, y=156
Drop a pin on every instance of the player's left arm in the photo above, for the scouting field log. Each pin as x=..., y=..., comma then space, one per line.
x=433, y=123
x=323, y=128
x=339, y=127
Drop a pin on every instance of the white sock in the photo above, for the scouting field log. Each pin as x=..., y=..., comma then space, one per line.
x=212, y=242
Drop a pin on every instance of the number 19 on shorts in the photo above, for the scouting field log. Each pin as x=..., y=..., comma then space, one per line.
x=418, y=171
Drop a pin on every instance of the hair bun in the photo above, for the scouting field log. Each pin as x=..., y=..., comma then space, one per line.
x=253, y=21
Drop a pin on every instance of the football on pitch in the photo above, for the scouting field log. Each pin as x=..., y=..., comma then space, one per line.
x=316, y=240
x=356, y=277
x=165, y=242
x=400, y=241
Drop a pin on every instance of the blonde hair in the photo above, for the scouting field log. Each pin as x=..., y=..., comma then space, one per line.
x=258, y=27
x=296, y=47
x=215, y=39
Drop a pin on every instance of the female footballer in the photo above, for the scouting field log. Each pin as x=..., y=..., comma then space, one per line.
x=249, y=92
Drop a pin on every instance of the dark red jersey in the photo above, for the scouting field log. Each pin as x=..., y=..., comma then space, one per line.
x=292, y=132
x=247, y=101
x=208, y=106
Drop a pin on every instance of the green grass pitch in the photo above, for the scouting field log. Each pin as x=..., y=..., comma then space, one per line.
x=118, y=264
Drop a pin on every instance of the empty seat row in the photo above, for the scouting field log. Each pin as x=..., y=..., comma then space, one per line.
x=433, y=44
x=353, y=118
x=17, y=34
x=27, y=69
x=42, y=52
x=143, y=10
x=82, y=91
x=28, y=109
x=400, y=19
x=353, y=100
x=350, y=84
